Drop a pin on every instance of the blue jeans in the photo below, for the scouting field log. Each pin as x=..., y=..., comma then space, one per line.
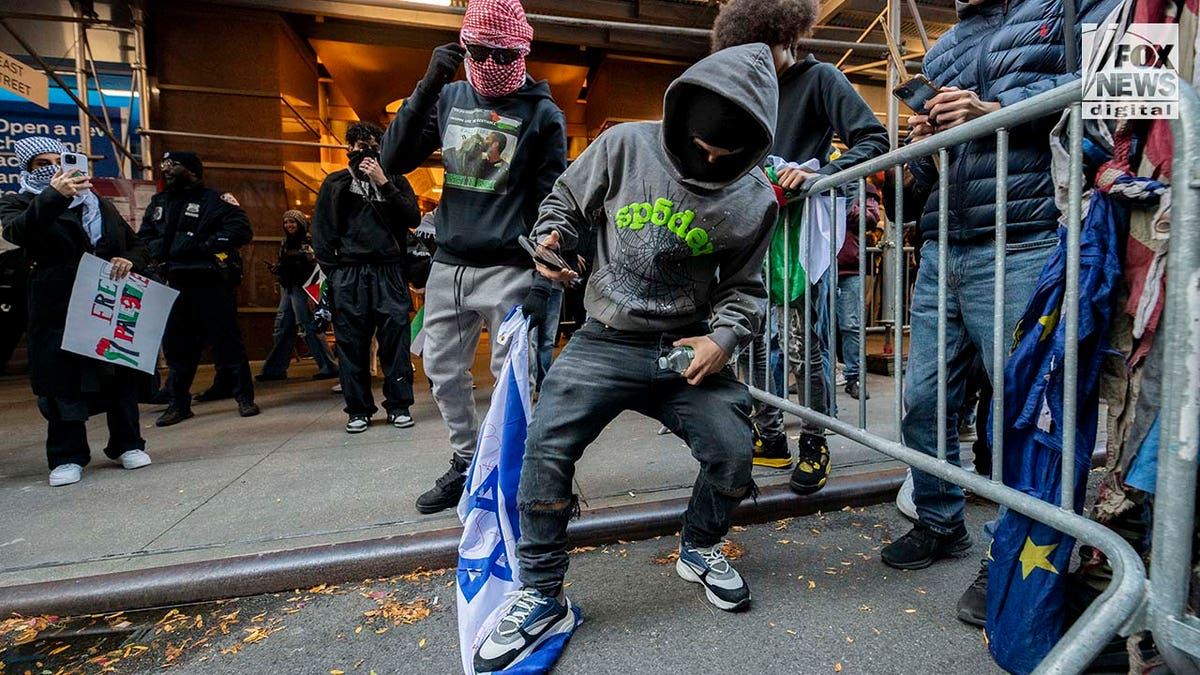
x=546, y=335
x=293, y=312
x=848, y=289
x=970, y=294
x=599, y=374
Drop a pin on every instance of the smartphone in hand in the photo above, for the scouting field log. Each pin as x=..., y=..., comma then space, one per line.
x=543, y=256
x=916, y=92
x=74, y=161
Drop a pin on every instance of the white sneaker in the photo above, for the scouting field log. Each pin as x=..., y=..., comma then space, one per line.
x=336, y=389
x=134, y=459
x=400, y=420
x=839, y=375
x=65, y=474
x=358, y=424
x=904, y=498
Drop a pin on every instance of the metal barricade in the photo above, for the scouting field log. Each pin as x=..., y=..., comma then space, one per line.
x=1131, y=602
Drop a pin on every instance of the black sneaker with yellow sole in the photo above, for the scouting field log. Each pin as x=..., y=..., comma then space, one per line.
x=772, y=452
x=812, y=464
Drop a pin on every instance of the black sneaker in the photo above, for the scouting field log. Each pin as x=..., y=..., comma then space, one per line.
x=812, y=468
x=921, y=547
x=174, y=415
x=213, y=395
x=248, y=408
x=972, y=606
x=446, y=491
x=772, y=452
x=852, y=388
x=529, y=620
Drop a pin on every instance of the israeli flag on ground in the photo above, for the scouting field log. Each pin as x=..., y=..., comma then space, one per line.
x=487, y=552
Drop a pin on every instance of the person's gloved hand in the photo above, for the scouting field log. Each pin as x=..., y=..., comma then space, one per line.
x=535, y=305
x=443, y=66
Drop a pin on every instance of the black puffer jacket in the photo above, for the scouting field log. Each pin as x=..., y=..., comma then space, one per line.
x=1005, y=51
x=296, y=262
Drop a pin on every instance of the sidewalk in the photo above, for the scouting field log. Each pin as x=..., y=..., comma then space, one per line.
x=222, y=486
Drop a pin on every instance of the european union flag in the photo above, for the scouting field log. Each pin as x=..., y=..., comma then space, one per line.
x=1028, y=559
x=487, y=552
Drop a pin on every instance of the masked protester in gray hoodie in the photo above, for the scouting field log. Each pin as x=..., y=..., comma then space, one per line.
x=682, y=216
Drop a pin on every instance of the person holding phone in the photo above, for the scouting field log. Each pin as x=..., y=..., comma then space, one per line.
x=507, y=144
x=360, y=239
x=56, y=218
x=1000, y=52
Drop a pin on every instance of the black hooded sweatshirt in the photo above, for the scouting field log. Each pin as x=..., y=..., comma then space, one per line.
x=488, y=200
x=816, y=100
x=350, y=229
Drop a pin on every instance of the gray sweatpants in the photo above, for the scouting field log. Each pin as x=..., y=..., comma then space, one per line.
x=458, y=301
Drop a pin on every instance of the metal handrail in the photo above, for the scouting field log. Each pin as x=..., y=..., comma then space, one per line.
x=1116, y=606
x=1176, y=633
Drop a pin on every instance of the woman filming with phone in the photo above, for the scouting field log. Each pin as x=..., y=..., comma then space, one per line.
x=56, y=218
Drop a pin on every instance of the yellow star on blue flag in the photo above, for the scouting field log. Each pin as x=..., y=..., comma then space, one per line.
x=1036, y=557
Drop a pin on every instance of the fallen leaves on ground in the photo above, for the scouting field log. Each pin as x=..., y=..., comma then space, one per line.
x=582, y=549
x=668, y=558
x=396, y=612
x=25, y=628
x=733, y=550
x=421, y=574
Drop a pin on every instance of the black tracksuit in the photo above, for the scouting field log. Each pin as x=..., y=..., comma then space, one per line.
x=194, y=234
x=359, y=236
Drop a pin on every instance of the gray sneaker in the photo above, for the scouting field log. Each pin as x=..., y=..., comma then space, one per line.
x=529, y=619
x=723, y=586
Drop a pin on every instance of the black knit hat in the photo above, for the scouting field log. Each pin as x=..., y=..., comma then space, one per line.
x=189, y=160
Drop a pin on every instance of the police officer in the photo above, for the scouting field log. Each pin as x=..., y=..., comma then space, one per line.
x=194, y=234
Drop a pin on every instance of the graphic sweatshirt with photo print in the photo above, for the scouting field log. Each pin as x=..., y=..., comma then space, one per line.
x=501, y=156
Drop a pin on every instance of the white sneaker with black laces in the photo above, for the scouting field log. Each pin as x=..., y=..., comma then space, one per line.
x=357, y=424
x=723, y=586
x=529, y=620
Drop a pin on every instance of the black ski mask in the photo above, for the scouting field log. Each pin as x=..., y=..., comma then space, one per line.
x=717, y=121
x=357, y=156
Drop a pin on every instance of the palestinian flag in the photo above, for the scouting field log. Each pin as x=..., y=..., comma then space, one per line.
x=418, y=338
x=315, y=286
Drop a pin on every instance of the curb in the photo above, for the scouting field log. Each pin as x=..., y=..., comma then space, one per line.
x=277, y=571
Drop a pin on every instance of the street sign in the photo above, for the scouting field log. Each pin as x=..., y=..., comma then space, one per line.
x=24, y=81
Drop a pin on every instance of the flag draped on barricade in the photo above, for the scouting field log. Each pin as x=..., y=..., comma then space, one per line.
x=487, y=552
x=1026, y=583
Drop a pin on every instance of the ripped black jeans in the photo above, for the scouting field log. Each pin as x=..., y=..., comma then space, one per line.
x=601, y=373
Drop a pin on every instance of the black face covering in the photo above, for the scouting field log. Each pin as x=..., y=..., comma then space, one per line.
x=356, y=158
x=717, y=121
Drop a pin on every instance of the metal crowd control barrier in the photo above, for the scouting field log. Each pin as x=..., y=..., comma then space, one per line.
x=1130, y=603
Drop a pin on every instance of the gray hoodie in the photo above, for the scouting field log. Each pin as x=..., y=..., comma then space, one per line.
x=671, y=251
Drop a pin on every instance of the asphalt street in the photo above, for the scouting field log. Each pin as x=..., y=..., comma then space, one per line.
x=823, y=603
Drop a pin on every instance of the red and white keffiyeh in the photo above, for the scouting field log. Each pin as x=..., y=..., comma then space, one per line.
x=500, y=24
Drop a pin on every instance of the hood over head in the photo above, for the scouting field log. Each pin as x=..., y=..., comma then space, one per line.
x=729, y=99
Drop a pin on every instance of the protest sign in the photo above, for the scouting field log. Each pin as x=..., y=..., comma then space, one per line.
x=119, y=321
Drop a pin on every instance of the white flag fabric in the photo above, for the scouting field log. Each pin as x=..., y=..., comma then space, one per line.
x=814, y=242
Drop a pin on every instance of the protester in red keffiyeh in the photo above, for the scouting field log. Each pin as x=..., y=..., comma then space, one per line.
x=503, y=143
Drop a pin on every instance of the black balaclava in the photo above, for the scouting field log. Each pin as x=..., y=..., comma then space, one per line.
x=716, y=120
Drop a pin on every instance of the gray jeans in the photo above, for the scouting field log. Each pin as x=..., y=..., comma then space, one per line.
x=599, y=374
